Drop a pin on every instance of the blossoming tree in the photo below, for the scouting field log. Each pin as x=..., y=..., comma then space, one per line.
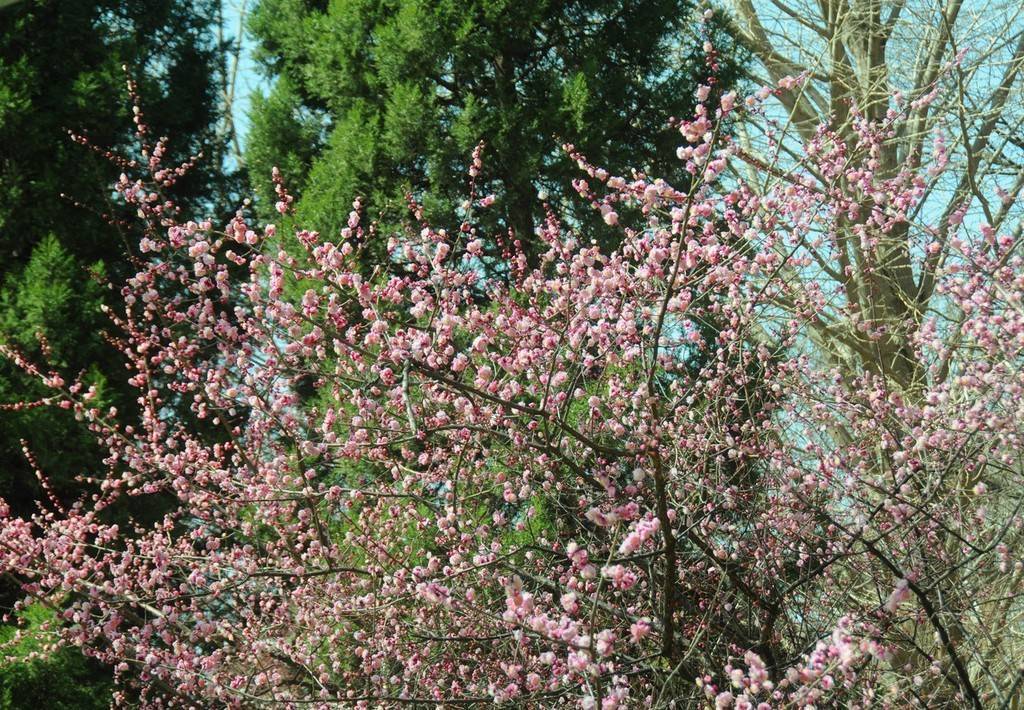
x=522, y=490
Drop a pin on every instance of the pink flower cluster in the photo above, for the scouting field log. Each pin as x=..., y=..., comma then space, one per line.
x=591, y=482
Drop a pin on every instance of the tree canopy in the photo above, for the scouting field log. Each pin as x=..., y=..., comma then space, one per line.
x=63, y=69
x=378, y=99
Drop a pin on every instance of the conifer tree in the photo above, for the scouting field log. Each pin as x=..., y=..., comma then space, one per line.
x=63, y=69
x=380, y=98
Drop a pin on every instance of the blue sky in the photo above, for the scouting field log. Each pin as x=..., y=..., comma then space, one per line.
x=248, y=78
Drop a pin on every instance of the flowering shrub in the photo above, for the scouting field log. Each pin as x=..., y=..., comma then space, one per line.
x=718, y=465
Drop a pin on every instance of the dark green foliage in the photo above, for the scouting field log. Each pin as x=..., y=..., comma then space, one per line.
x=61, y=69
x=53, y=296
x=64, y=680
x=377, y=98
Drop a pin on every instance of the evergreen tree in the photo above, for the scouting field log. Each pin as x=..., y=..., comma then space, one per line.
x=64, y=680
x=374, y=98
x=62, y=68
x=55, y=297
